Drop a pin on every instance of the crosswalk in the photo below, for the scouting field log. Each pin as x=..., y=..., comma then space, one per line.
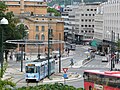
x=94, y=66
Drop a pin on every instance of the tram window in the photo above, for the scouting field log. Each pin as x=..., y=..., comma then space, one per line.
x=30, y=70
x=86, y=76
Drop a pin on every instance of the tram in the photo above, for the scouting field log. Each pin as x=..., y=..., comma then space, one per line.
x=39, y=70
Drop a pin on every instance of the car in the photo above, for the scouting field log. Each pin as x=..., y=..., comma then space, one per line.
x=104, y=59
x=97, y=53
x=102, y=54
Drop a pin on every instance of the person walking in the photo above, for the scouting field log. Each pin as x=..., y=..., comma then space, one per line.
x=71, y=62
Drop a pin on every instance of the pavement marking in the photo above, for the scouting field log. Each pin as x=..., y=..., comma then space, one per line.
x=96, y=66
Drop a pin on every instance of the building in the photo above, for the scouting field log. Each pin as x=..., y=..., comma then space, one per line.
x=27, y=6
x=69, y=22
x=38, y=30
x=98, y=29
x=111, y=21
x=33, y=13
x=86, y=14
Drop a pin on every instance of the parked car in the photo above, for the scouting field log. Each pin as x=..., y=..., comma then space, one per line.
x=102, y=54
x=97, y=53
x=104, y=59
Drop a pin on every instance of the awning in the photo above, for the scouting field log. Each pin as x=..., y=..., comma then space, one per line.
x=94, y=43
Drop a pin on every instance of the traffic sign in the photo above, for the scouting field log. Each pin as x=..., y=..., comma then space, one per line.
x=65, y=70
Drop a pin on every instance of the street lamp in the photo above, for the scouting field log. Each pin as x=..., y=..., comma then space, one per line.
x=3, y=21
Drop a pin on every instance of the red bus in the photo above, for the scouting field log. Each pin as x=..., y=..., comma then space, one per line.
x=101, y=80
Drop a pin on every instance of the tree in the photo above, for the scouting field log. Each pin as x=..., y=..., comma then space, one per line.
x=52, y=10
x=9, y=31
x=118, y=45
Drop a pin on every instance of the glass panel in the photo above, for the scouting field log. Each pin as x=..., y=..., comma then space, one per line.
x=31, y=69
x=43, y=37
x=37, y=28
x=43, y=28
x=37, y=37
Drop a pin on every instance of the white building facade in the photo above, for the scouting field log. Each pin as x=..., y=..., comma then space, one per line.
x=98, y=29
x=111, y=17
x=86, y=21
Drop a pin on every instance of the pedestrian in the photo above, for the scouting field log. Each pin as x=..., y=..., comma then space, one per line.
x=68, y=51
x=10, y=57
x=71, y=62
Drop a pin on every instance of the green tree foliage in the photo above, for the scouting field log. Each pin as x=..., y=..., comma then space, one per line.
x=56, y=86
x=5, y=83
x=68, y=2
x=9, y=31
x=118, y=45
x=52, y=10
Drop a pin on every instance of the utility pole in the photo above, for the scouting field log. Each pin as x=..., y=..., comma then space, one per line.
x=38, y=48
x=59, y=53
x=111, y=51
x=48, y=55
x=118, y=49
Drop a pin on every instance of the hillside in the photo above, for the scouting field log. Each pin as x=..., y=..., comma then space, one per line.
x=68, y=2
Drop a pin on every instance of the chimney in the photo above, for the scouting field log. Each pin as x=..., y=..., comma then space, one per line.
x=21, y=6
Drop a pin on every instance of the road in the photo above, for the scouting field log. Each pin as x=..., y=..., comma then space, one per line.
x=93, y=64
x=78, y=54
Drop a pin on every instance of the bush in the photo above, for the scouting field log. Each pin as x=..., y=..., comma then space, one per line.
x=5, y=83
x=56, y=86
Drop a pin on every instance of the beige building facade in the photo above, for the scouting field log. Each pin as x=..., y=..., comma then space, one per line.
x=34, y=15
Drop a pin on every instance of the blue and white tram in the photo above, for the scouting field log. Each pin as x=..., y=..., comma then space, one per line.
x=52, y=66
x=39, y=70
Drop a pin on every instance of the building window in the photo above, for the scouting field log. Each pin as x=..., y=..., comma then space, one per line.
x=42, y=37
x=91, y=9
x=93, y=14
x=85, y=14
x=81, y=31
x=37, y=37
x=82, y=14
x=87, y=9
x=85, y=25
x=37, y=28
x=82, y=20
x=89, y=20
x=92, y=31
x=89, y=14
x=92, y=25
x=89, y=25
x=95, y=9
x=82, y=25
x=43, y=28
x=85, y=20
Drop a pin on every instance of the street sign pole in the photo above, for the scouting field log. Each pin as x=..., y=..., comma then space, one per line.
x=65, y=75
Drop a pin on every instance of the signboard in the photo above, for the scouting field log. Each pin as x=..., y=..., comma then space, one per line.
x=65, y=70
x=65, y=76
x=98, y=87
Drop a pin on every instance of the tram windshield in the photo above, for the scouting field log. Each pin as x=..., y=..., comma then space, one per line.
x=31, y=69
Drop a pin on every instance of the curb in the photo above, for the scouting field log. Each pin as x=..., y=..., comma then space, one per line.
x=61, y=80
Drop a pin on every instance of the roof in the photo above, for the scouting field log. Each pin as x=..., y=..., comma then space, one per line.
x=105, y=73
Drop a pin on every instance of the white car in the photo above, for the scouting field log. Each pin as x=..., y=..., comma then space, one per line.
x=104, y=59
